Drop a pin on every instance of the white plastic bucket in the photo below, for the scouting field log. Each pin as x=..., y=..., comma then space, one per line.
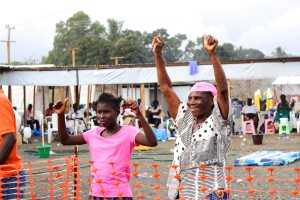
x=283, y=120
x=27, y=133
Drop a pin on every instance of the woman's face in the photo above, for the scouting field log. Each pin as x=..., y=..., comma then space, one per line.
x=106, y=114
x=200, y=103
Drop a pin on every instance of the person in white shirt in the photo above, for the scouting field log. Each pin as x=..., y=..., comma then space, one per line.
x=154, y=114
x=250, y=111
x=73, y=114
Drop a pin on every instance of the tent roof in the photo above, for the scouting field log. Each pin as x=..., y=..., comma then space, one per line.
x=146, y=73
x=286, y=80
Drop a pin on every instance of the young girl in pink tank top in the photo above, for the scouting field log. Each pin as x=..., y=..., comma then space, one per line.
x=109, y=143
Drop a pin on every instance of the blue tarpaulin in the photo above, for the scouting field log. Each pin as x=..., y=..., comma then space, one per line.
x=267, y=158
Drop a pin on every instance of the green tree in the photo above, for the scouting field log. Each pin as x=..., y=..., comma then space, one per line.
x=78, y=32
x=130, y=45
x=279, y=52
x=173, y=49
x=226, y=51
x=245, y=54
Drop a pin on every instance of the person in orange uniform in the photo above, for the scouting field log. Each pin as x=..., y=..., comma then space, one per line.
x=12, y=177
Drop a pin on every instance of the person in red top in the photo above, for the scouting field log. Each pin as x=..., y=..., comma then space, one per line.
x=10, y=162
x=50, y=110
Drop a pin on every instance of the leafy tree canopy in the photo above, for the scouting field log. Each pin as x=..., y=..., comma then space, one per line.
x=98, y=44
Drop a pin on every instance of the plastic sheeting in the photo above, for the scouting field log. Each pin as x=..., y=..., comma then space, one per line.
x=39, y=78
x=288, y=85
x=247, y=71
x=267, y=158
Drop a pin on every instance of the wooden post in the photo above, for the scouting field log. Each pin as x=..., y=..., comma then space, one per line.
x=62, y=94
x=116, y=58
x=53, y=87
x=142, y=91
x=111, y=88
x=33, y=109
x=10, y=93
x=162, y=102
x=88, y=100
x=76, y=97
x=149, y=94
x=135, y=93
x=24, y=96
x=155, y=91
x=44, y=109
x=121, y=90
x=8, y=41
x=132, y=91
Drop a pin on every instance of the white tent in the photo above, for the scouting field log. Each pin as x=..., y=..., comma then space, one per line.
x=137, y=75
x=288, y=85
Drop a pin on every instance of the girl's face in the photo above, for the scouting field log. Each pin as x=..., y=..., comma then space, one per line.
x=106, y=114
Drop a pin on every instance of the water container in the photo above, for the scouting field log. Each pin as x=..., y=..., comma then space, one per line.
x=240, y=130
x=284, y=120
x=161, y=134
x=27, y=133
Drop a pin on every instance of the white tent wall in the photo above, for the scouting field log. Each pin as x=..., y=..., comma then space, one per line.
x=245, y=78
x=39, y=100
x=18, y=98
x=288, y=85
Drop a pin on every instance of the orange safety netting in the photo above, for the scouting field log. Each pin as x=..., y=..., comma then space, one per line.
x=47, y=179
x=61, y=179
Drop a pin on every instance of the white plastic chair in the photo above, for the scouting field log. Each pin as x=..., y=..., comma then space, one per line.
x=52, y=126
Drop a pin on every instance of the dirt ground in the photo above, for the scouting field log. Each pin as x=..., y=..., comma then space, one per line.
x=284, y=176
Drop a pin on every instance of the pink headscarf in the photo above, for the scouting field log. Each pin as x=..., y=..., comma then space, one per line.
x=204, y=87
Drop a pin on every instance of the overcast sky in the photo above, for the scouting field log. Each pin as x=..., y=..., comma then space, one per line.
x=259, y=24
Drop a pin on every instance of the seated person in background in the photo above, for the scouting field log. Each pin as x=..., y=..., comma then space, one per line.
x=154, y=114
x=295, y=106
x=250, y=111
x=88, y=111
x=50, y=110
x=283, y=109
x=139, y=101
x=94, y=115
x=129, y=117
x=124, y=105
x=30, y=120
x=72, y=115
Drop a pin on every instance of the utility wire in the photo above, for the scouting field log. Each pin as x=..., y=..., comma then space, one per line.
x=49, y=15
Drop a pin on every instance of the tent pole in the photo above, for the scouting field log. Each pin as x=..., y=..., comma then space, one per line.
x=149, y=95
x=24, y=96
x=33, y=102
x=53, y=94
x=44, y=109
x=155, y=91
x=143, y=98
x=10, y=93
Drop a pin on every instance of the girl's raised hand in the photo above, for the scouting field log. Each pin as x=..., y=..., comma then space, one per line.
x=60, y=107
x=133, y=105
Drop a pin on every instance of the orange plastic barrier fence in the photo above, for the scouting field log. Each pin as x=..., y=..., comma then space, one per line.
x=65, y=179
x=47, y=179
x=149, y=182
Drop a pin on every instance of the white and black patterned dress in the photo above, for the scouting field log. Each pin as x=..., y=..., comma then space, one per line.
x=206, y=146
